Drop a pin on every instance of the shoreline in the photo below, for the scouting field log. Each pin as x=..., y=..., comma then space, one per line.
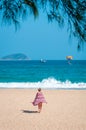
x=46, y=88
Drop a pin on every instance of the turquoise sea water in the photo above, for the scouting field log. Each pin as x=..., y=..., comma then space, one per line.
x=31, y=72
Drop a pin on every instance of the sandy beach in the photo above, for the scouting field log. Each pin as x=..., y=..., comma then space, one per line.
x=65, y=110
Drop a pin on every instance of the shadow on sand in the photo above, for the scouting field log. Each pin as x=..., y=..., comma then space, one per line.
x=28, y=111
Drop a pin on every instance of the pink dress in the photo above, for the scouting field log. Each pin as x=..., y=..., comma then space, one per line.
x=39, y=98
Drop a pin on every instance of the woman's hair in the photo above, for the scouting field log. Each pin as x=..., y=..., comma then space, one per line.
x=39, y=89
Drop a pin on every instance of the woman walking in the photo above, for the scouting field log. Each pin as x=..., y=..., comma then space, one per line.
x=39, y=100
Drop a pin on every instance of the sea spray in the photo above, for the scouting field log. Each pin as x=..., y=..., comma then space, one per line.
x=49, y=83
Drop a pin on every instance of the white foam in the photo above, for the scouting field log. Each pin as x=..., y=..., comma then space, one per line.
x=50, y=83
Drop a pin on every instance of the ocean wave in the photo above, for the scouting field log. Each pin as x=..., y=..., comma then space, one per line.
x=49, y=83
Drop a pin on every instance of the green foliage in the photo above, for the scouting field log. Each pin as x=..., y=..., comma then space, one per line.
x=12, y=11
x=72, y=12
x=76, y=15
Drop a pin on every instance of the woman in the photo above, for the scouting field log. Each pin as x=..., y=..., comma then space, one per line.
x=39, y=99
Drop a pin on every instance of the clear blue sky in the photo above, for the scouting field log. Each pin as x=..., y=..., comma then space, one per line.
x=39, y=39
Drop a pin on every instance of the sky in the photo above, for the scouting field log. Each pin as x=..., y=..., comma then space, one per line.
x=39, y=39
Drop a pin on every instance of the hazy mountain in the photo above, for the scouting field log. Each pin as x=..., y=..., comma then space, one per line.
x=17, y=56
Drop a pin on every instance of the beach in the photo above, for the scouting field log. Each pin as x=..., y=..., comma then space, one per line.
x=65, y=110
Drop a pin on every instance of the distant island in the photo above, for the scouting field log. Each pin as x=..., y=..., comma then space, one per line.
x=17, y=56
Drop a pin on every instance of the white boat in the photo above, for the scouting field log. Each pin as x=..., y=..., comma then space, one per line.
x=42, y=60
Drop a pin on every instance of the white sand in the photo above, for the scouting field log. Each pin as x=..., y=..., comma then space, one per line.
x=66, y=110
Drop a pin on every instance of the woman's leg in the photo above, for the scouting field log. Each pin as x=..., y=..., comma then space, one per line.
x=40, y=107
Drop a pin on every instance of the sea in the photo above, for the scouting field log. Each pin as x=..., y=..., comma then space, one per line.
x=52, y=74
